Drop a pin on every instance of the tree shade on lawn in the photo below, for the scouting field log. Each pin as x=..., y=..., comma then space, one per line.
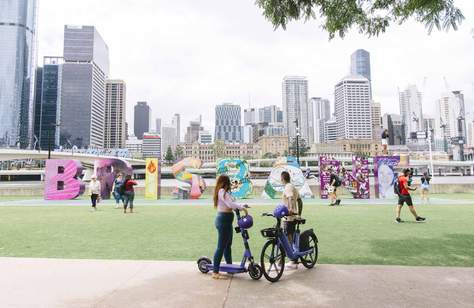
x=364, y=234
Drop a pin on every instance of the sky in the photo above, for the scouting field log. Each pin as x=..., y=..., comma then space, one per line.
x=187, y=56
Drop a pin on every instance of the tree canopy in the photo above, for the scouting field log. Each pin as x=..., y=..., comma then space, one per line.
x=370, y=17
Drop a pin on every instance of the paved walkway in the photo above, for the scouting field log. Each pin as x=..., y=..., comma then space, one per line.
x=93, y=283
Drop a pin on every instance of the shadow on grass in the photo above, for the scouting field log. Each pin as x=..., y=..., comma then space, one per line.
x=450, y=250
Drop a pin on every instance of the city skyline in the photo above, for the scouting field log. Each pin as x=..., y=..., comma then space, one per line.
x=160, y=67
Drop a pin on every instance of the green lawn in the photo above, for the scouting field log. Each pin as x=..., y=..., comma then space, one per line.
x=363, y=234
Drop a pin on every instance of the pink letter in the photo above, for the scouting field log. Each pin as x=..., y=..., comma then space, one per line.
x=61, y=179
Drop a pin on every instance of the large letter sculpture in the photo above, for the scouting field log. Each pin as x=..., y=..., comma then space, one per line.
x=62, y=179
x=274, y=187
x=384, y=169
x=152, y=179
x=325, y=167
x=238, y=171
x=193, y=184
x=357, y=182
x=107, y=170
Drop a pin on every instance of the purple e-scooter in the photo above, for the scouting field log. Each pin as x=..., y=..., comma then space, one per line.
x=254, y=269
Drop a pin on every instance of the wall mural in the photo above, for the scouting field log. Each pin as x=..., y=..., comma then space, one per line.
x=357, y=181
x=384, y=171
x=325, y=166
x=274, y=187
x=191, y=186
x=107, y=170
x=62, y=179
x=238, y=172
x=152, y=179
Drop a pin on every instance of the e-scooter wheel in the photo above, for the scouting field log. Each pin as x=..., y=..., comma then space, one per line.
x=203, y=265
x=272, y=261
x=255, y=271
x=309, y=260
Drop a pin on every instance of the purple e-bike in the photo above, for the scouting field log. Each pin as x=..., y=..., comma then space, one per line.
x=254, y=269
x=303, y=249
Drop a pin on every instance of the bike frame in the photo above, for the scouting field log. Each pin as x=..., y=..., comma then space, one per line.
x=292, y=251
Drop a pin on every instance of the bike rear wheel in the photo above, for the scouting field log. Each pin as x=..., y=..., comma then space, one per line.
x=309, y=260
x=272, y=261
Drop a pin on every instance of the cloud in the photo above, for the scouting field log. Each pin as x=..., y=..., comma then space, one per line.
x=188, y=56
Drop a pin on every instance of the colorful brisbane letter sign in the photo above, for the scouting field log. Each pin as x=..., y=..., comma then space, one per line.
x=62, y=179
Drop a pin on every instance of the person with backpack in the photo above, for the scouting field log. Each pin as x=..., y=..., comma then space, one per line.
x=129, y=194
x=118, y=190
x=334, y=183
x=402, y=189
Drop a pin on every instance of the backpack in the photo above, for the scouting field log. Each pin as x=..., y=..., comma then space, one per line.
x=396, y=187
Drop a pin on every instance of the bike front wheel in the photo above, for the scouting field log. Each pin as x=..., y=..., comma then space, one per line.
x=272, y=261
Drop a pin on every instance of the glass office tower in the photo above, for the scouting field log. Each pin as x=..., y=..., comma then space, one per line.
x=17, y=71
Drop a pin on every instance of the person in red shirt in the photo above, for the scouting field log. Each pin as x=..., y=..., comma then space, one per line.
x=404, y=197
x=129, y=195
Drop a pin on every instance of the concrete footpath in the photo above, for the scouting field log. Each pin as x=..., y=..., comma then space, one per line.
x=105, y=283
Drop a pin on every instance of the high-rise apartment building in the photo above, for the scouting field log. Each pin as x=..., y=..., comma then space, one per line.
x=48, y=105
x=453, y=115
x=141, y=123
x=17, y=71
x=353, y=108
x=360, y=65
x=296, y=108
x=85, y=71
x=228, y=123
x=411, y=110
x=176, y=122
x=322, y=113
x=168, y=139
x=115, y=114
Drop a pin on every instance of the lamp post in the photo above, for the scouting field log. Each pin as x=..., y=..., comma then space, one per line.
x=297, y=143
x=53, y=126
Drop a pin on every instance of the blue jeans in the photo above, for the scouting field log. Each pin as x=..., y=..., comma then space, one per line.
x=224, y=239
x=128, y=198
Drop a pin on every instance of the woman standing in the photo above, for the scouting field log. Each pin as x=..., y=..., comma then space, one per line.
x=224, y=203
x=94, y=191
x=129, y=194
x=289, y=198
x=425, y=188
x=118, y=190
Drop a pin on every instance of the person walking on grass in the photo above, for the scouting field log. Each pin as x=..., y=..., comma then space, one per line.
x=129, y=194
x=224, y=203
x=334, y=183
x=425, y=188
x=118, y=190
x=403, y=190
x=94, y=191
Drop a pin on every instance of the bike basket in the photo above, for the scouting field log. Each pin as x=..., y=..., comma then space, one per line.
x=268, y=232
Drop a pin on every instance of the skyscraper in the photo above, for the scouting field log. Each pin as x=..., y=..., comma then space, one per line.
x=296, y=107
x=452, y=110
x=84, y=73
x=251, y=116
x=268, y=114
x=192, y=131
x=158, y=125
x=168, y=139
x=37, y=117
x=141, y=123
x=352, y=108
x=228, y=123
x=376, y=110
x=176, y=122
x=17, y=71
x=411, y=110
x=115, y=101
x=360, y=65
x=47, y=109
x=322, y=113
x=396, y=130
